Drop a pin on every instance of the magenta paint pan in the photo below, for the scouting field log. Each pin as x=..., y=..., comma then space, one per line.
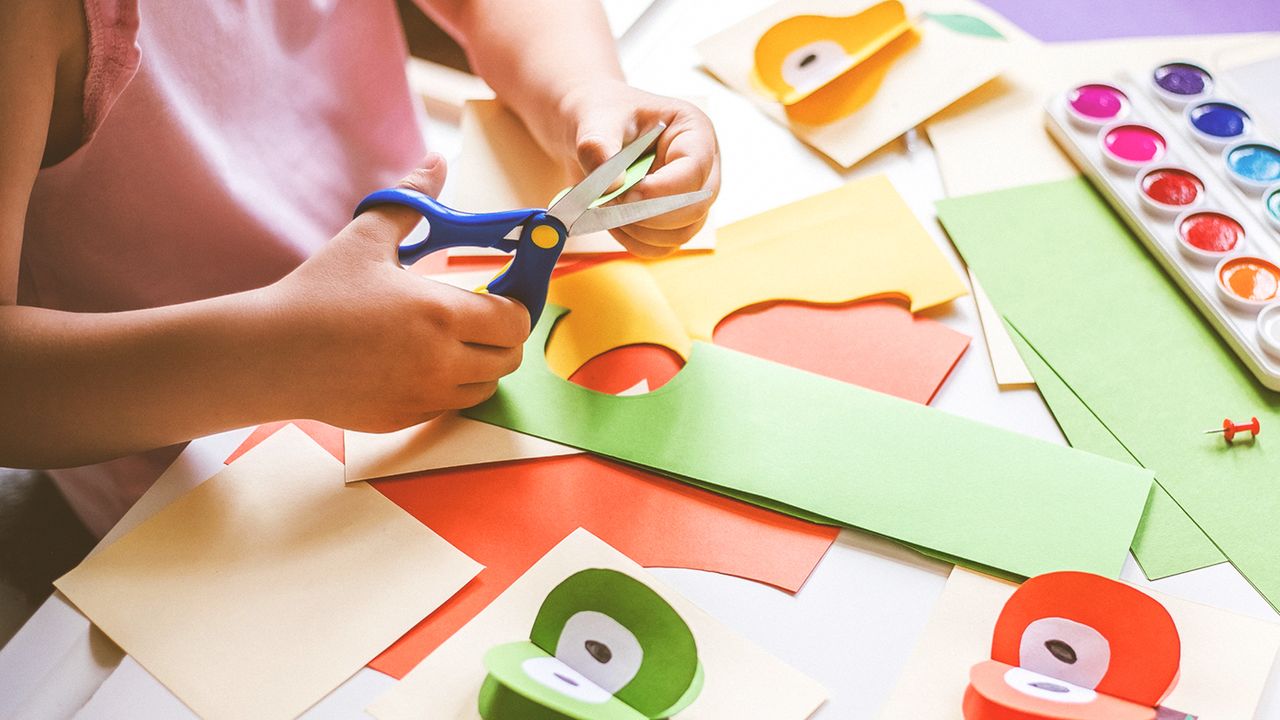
x=1179, y=83
x=1128, y=146
x=1093, y=105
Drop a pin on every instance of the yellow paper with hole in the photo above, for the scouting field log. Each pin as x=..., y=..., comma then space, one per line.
x=857, y=241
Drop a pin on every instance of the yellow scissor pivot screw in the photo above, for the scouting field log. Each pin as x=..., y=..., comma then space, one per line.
x=545, y=236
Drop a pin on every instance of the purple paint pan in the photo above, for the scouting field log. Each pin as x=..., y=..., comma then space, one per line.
x=1180, y=83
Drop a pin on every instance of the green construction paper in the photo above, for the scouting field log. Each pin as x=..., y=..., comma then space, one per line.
x=633, y=175
x=985, y=496
x=965, y=24
x=1069, y=275
x=670, y=655
x=1168, y=541
x=509, y=693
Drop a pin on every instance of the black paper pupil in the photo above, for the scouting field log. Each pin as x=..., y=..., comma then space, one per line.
x=599, y=651
x=1061, y=650
x=808, y=60
x=1051, y=687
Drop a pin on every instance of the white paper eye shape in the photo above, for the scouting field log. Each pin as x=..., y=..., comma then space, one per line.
x=811, y=66
x=1066, y=650
x=565, y=680
x=1047, y=688
x=601, y=649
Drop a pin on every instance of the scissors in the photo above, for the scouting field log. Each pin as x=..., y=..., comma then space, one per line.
x=535, y=236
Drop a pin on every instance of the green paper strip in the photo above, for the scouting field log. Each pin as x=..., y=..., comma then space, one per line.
x=1093, y=303
x=633, y=175
x=985, y=496
x=1168, y=542
x=965, y=25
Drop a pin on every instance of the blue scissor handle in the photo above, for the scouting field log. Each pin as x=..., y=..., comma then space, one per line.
x=525, y=278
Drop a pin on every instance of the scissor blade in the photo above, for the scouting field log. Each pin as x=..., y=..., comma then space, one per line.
x=612, y=216
x=579, y=198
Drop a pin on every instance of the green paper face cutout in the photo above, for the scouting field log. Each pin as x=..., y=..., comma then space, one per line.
x=633, y=175
x=604, y=646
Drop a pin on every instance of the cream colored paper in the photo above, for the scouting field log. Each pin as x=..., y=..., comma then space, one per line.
x=1007, y=365
x=265, y=587
x=742, y=681
x=1226, y=658
x=942, y=67
x=995, y=138
x=501, y=167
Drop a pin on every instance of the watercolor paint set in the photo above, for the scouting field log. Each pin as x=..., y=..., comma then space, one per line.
x=1197, y=178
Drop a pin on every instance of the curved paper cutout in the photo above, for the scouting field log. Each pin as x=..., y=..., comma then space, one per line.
x=965, y=24
x=803, y=54
x=851, y=91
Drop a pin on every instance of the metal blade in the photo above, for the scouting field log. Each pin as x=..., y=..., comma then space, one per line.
x=612, y=216
x=579, y=198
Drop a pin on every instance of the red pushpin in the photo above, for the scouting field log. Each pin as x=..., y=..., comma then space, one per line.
x=1229, y=429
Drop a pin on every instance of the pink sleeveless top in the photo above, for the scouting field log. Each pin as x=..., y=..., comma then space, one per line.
x=224, y=142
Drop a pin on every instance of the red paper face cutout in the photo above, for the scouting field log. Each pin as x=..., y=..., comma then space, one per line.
x=1076, y=646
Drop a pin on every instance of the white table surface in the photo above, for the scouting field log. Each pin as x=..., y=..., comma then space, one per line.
x=854, y=624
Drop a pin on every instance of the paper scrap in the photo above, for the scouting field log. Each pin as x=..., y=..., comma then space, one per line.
x=266, y=586
x=1009, y=369
x=1224, y=664
x=506, y=516
x=501, y=167
x=857, y=241
x=1168, y=542
x=995, y=138
x=913, y=76
x=1155, y=373
x=326, y=436
x=802, y=443
x=741, y=680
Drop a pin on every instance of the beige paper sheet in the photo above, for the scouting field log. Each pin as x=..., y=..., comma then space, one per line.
x=1226, y=658
x=265, y=587
x=501, y=167
x=742, y=681
x=926, y=79
x=995, y=138
x=1007, y=365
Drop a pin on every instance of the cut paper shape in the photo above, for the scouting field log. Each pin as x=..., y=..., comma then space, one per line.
x=1223, y=667
x=966, y=24
x=604, y=646
x=1153, y=340
x=268, y=585
x=741, y=679
x=857, y=241
x=485, y=511
x=653, y=365
x=1009, y=369
x=801, y=54
x=872, y=76
x=801, y=443
x=1168, y=542
x=1076, y=646
x=502, y=167
x=326, y=436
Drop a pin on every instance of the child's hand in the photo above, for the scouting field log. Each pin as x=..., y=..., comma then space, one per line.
x=600, y=118
x=377, y=348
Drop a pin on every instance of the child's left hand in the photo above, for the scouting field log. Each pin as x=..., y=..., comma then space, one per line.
x=598, y=119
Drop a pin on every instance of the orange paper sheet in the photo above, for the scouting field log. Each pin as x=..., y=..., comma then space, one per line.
x=507, y=516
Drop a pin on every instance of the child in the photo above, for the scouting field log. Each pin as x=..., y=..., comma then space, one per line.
x=176, y=183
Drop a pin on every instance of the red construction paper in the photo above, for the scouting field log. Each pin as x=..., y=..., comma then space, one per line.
x=506, y=516
x=326, y=436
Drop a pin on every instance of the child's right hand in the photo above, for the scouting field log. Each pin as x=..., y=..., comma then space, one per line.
x=374, y=347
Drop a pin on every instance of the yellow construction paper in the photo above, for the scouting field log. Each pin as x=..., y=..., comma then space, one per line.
x=501, y=167
x=802, y=54
x=915, y=75
x=1226, y=658
x=857, y=241
x=265, y=587
x=741, y=680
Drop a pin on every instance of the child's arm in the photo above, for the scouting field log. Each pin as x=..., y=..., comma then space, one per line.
x=554, y=63
x=349, y=337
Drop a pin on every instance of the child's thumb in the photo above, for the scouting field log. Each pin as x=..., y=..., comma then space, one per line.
x=427, y=178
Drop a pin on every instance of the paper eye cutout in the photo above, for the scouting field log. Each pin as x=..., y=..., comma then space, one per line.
x=1065, y=649
x=813, y=65
x=563, y=679
x=1047, y=688
x=605, y=652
